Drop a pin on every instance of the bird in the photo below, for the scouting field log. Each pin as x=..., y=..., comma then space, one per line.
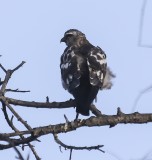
x=84, y=70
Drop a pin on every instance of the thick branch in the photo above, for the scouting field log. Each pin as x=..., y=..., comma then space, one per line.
x=104, y=120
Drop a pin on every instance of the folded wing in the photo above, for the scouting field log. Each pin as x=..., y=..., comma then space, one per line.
x=70, y=69
x=97, y=66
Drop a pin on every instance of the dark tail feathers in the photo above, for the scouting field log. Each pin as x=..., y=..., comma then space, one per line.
x=83, y=109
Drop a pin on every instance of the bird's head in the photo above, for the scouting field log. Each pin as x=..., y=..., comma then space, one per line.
x=73, y=37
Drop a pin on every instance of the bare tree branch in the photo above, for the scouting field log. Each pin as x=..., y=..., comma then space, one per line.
x=16, y=142
x=5, y=103
x=111, y=120
x=31, y=134
x=1, y=66
x=7, y=77
x=141, y=26
x=71, y=148
x=149, y=88
x=19, y=66
x=52, y=105
x=10, y=123
x=15, y=90
x=76, y=148
x=20, y=157
x=19, y=118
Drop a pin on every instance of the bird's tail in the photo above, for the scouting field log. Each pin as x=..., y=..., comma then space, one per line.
x=83, y=104
x=83, y=109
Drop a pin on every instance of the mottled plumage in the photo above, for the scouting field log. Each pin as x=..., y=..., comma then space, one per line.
x=83, y=70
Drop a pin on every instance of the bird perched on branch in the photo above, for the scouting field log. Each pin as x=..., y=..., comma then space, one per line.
x=83, y=70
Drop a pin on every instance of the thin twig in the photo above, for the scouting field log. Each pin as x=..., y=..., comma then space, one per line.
x=66, y=119
x=47, y=99
x=113, y=155
x=5, y=103
x=147, y=156
x=20, y=157
x=1, y=66
x=70, y=158
x=20, y=65
x=77, y=148
x=17, y=115
x=16, y=142
x=149, y=88
x=15, y=90
x=10, y=123
x=8, y=76
x=142, y=17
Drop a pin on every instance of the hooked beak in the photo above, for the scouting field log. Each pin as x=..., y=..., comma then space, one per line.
x=62, y=40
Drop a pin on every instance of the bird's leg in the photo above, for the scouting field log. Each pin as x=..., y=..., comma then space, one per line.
x=77, y=115
x=95, y=99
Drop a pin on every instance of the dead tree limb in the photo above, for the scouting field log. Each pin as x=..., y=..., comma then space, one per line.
x=31, y=134
x=105, y=120
x=76, y=148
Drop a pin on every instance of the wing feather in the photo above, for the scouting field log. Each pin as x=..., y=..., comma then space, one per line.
x=97, y=66
x=70, y=69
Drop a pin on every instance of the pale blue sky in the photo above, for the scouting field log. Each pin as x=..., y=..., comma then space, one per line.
x=31, y=31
